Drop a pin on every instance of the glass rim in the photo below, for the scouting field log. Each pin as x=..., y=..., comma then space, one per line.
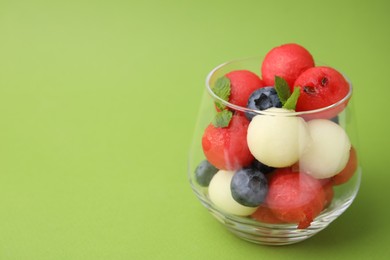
x=263, y=112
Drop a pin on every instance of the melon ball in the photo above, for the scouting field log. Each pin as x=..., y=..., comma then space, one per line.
x=277, y=140
x=328, y=153
x=220, y=194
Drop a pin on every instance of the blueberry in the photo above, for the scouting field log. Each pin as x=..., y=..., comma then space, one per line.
x=204, y=172
x=335, y=119
x=261, y=99
x=262, y=167
x=249, y=187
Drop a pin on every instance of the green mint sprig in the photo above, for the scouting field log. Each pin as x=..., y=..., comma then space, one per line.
x=222, y=90
x=282, y=89
x=289, y=100
x=222, y=118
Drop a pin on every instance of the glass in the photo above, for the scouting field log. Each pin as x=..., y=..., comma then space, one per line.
x=277, y=228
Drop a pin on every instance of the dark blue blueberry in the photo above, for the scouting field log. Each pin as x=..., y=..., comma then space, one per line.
x=204, y=172
x=335, y=119
x=262, y=167
x=249, y=187
x=261, y=99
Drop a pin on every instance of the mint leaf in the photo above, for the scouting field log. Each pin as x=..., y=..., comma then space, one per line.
x=282, y=89
x=222, y=90
x=291, y=102
x=222, y=119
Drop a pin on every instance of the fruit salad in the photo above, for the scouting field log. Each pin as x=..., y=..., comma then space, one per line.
x=278, y=159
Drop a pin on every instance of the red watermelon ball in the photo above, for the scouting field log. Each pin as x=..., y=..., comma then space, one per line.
x=327, y=185
x=348, y=171
x=242, y=84
x=226, y=147
x=287, y=61
x=320, y=87
x=265, y=215
x=295, y=197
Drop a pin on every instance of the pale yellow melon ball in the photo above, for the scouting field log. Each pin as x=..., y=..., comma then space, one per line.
x=329, y=151
x=221, y=196
x=277, y=140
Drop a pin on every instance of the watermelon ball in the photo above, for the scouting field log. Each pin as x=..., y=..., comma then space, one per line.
x=327, y=185
x=320, y=87
x=265, y=215
x=348, y=171
x=295, y=197
x=242, y=84
x=220, y=195
x=287, y=61
x=226, y=147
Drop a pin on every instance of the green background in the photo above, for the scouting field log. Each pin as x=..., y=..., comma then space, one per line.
x=98, y=101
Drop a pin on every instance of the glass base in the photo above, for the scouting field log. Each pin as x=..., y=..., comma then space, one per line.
x=277, y=234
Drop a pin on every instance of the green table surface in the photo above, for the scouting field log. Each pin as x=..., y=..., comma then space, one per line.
x=98, y=101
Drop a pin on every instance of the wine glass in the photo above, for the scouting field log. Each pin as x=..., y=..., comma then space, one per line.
x=281, y=218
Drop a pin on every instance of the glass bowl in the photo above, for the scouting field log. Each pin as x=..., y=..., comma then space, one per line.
x=270, y=223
